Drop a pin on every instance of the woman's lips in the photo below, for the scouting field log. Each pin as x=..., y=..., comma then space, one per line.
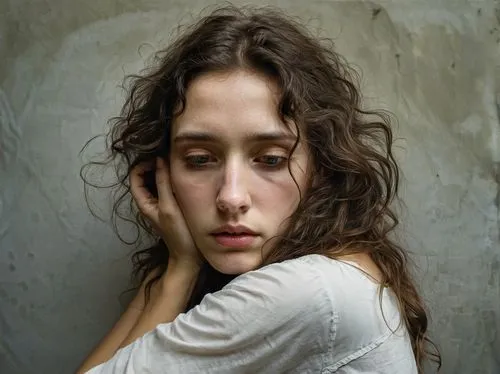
x=234, y=240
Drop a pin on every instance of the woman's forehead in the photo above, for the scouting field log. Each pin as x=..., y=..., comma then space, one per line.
x=239, y=103
x=236, y=83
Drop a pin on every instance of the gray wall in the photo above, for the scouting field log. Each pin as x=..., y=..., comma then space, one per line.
x=435, y=64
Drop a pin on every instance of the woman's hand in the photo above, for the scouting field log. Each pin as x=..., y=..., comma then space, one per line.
x=164, y=213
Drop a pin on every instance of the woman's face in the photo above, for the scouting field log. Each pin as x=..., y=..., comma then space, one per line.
x=229, y=172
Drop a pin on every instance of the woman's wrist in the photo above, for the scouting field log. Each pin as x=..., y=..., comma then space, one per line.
x=177, y=282
x=180, y=275
x=183, y=273
x=187, y=266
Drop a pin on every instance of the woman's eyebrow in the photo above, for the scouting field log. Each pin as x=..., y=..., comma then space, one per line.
x=252, y=137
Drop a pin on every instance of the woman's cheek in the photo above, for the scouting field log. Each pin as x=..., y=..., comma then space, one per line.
x=191, y=190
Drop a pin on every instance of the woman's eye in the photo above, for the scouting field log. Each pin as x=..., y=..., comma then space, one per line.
x=198, y=161
x=271, y=160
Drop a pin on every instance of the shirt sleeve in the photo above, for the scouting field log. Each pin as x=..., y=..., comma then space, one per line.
x=263, y=321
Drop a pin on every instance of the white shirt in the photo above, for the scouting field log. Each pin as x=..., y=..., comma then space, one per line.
x=307, y=315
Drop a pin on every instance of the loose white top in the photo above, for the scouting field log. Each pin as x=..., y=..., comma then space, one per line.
x=307, y=315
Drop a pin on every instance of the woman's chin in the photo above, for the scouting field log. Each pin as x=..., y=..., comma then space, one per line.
x=235, y=262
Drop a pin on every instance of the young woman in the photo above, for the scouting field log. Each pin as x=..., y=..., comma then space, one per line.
x=248, y=155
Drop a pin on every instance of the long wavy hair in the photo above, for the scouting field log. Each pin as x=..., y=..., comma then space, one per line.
x=347, y=208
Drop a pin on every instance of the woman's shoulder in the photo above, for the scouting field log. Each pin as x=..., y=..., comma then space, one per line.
x=322, y=287
x=312, y=285
x=307, y=274
x=289, y=281
x=290, y=286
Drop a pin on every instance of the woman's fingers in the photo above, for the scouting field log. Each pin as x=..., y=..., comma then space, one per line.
x=163, y=212
x=146, y=202
x=166, y=198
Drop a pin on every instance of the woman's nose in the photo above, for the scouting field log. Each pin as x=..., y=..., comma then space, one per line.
x=233, y=196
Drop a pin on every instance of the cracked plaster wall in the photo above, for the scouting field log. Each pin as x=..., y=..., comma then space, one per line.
x=434, y=64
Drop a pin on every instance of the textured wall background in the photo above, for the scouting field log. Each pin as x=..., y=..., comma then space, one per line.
x=435, y=64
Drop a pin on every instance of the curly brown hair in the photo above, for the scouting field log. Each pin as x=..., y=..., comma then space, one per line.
x=347, y=208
